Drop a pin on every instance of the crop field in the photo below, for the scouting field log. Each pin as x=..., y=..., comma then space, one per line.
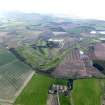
x=13, y=75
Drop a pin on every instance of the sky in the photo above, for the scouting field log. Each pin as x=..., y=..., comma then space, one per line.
x=72, y=8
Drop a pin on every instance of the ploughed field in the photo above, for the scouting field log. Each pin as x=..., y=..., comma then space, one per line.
x=13, y=75
x=73, y=66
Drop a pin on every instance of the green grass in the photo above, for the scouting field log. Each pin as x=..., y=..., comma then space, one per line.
x=36, y=91
x=64, y=100
x=87, y=92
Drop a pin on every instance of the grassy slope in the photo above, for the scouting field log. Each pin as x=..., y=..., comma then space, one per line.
x=86, y=92
x=43, y=59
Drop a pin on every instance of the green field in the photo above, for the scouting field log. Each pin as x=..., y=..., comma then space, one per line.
x=85, y=92
x=35, y=92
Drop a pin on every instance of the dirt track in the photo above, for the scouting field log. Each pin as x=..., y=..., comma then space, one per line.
x=52, y=99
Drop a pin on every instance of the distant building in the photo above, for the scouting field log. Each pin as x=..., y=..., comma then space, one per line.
x=93, y=32
x=102, y=32
x=52, y=42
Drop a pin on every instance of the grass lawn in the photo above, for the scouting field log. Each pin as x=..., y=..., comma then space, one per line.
x=87, y=92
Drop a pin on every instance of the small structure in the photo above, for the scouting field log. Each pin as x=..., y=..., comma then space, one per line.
x=55, y=88
x=55, y=43
x=65, y=89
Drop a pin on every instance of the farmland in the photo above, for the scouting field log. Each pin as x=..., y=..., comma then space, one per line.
x=85, y=92
x=13, y=75
x=28, y=59
x=37, y=90
x=42, y=59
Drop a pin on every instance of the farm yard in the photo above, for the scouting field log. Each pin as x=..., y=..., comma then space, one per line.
x=13, y=76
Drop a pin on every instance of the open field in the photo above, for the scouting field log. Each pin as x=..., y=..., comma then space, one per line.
x=13, y=75
x=87, y=92
x=35, y=92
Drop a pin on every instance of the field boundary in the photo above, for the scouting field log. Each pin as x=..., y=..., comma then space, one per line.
x=25, y=83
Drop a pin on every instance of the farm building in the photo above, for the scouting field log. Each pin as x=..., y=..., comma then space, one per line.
x=62, y=41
